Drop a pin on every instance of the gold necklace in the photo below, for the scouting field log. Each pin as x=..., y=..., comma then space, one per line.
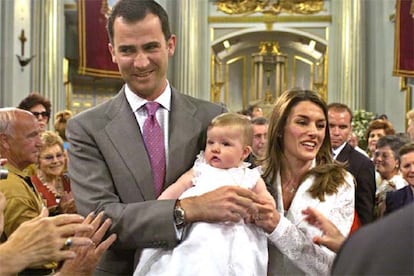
x=292, y=190
x=289, y=188
x=57, y=189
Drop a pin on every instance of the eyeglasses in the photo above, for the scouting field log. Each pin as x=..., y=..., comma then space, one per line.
x=51, y=157
x=44, y=114
x=383, y=155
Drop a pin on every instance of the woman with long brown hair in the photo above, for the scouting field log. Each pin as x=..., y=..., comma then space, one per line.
x=300, y=172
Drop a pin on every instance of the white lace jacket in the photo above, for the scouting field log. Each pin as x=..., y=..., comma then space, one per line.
x=291, y=250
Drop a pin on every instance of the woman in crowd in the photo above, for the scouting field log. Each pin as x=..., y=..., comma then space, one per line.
x=376, y=129
x=410, y=124
x=300, y=172
x=50, y=178
x=39, y=106
x=386, y=161
x=403, y=196
x=61, y=119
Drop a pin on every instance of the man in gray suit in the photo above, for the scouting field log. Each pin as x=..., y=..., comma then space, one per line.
x=109, y=165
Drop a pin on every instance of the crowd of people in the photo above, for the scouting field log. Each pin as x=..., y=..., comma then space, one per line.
x=155, y=182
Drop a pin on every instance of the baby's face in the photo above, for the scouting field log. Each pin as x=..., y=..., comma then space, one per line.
x=225, y=148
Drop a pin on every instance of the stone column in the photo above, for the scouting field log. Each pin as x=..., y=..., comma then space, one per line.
x=347, y=72
x=48, y=46
x=191, y=73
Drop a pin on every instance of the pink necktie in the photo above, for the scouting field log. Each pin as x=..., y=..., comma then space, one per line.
x=154, y=142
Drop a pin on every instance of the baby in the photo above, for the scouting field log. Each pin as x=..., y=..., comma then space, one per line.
x=216, y=248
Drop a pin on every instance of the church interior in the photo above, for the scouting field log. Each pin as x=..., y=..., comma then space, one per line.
x=235, y=53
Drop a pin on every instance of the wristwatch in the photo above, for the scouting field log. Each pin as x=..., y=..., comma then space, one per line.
x=179, y=215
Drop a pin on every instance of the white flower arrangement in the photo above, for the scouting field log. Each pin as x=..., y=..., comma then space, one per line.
x=360, y=122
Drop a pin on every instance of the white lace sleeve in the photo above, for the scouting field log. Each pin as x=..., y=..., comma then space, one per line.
x=294, y=239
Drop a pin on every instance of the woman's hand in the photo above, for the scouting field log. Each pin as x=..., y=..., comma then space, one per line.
x=266, y=216
x=87, y=257
x=331, y=238
x=67, y=204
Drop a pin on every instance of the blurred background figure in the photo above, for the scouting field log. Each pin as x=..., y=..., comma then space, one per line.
x=353, y=141
x=260, y=126
x=50, y=179
x=61, y=119
x=377, y=129
x=39, y=106
x=386, y=160
x=394, y=200
x=410, y=124
x=254, y=111
x=381, y=117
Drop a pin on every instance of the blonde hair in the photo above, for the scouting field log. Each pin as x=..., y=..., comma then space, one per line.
x=61, y=119
x=49, y=139
x=410, y=115
x=237, y=121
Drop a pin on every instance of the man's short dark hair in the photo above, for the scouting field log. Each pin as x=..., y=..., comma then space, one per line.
x=133, y=11
x=340, y=107
x=260, y=121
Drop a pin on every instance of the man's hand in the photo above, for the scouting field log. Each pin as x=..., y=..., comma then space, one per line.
x=41, y=240
x=228, y=203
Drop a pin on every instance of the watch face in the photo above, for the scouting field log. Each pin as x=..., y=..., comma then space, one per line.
x=179, y=215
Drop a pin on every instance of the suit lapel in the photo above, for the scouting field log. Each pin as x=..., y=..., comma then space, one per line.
x=124, y=132
x=182, y=127
x=408, y=195
x=344, y=154
x=184, y=130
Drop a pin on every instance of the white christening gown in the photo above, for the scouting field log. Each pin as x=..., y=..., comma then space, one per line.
x=212, y=248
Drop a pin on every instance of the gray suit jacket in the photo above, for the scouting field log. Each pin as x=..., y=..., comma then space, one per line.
x=385, y=247
x=110, y=171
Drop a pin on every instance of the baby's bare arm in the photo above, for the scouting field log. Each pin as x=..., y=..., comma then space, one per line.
x=180, y=186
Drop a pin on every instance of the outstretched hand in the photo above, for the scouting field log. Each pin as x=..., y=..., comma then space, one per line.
x=332, y=237
x=41, y=240
x=87, y=257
